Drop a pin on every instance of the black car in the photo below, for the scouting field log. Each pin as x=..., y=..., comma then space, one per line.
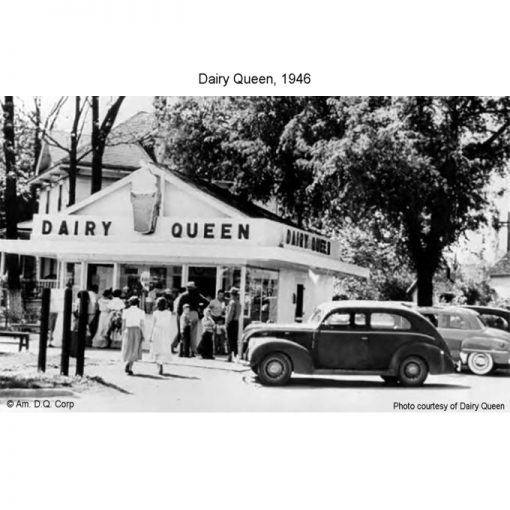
x=492, y=316
x=353, y=338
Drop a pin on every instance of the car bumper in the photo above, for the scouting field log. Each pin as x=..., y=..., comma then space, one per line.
x=500, y=357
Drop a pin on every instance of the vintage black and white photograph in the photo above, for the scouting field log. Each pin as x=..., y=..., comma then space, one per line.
x=255, y=253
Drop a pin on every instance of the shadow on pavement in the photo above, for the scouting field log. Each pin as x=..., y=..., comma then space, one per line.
x=101, y=381
x=315, y=383
x=164, y=376
x=175, y=376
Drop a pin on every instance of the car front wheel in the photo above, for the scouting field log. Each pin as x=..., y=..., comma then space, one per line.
x=275, y=369
x=480, y=363
x=413, y=371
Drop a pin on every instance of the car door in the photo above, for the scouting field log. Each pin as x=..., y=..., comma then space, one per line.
x=388, y=331
x=341, y=341
x=454, y=329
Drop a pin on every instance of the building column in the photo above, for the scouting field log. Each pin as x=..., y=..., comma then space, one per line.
x=61, y=274
x=116, y=276
x=219, y=279
x=83, y=275
x=242, y=294
x=2, y=264
x=185, y=274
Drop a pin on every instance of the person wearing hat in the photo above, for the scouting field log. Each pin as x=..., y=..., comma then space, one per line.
x=133, y=320
x=232, y=322
x=194, y=300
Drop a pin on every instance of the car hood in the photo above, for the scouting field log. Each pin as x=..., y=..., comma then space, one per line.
x=497, y=334
x=291, y=326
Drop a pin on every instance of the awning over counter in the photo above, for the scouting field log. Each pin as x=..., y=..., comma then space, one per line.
x=166, y=253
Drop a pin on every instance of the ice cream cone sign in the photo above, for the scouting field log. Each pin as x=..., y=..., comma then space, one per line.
x=145, y=199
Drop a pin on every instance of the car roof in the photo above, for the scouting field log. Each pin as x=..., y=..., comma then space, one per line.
x=438, y=309
x=487, y=309
x=390, y=305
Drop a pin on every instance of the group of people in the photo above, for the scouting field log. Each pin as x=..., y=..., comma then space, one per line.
x=188, y=324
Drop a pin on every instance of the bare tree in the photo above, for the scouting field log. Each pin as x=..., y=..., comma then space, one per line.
x=11, y=206
x=81, y=104
x=100, y=133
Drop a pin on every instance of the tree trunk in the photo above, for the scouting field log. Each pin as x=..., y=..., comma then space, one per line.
x=97, y=158
x=425, y=286
x=73, y=150
x=11, y=208
x=99, y=137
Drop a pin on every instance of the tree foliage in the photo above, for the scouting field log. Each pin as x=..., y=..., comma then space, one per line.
x=420, y=164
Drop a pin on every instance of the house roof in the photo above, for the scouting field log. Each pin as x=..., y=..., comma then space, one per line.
x=124, y=149
x=245, y=206
x=501, y=267
x=125, y=156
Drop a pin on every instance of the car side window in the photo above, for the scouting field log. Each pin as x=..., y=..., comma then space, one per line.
x=494, y=321
x=338, y=320
x=453, y=321
x=391, y=321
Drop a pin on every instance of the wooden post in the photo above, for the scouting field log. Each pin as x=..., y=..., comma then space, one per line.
x=66, y=331
x=43, y=333
x=242, y=298
x=82, y=332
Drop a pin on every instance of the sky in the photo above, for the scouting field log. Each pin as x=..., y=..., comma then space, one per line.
x=130, y=106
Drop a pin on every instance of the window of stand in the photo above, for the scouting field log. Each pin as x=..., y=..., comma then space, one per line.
x=134, y=278
x=261, y=300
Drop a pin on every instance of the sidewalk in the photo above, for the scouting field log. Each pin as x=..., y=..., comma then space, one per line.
x=109, y=356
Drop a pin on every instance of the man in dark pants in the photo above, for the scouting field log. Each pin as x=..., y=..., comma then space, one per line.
x=194, y=299
x=232, y=321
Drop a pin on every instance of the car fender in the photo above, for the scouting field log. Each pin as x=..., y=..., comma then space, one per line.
x=430, y=353
x=482, y=344
x=301, y=358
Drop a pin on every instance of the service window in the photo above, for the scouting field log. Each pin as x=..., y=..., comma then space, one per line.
x=391, y=321
x=338, y=320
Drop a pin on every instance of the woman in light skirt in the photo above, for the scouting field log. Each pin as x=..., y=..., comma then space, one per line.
x=162, y=334
x=133, y=320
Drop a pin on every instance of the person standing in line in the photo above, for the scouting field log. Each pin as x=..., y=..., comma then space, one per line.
x=93, y=311
x=217, y=307
x=185, y=329
x=192, y=298
x=114, y=333
x=176, y=309
x=232, y=322
x=206, y=346
x=99, y=339
x=161, y=334
x=133, y=321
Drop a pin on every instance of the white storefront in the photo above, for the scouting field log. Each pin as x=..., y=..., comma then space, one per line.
x=153, y=226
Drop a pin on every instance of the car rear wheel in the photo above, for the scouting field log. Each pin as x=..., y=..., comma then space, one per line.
x=413, y=371
x=390, y=380
x=480, y=363
x=275, y=369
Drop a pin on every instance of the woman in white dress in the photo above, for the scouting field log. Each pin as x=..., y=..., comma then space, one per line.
x=100, y=338
x=162, y=334
x=133, y=320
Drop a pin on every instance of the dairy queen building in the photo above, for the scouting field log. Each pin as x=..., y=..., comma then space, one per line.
x=153, y=226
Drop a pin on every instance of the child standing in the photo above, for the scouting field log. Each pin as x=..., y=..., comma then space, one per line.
x=206, y=347
x=185, y=326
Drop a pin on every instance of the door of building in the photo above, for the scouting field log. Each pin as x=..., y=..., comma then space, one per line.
x=204, y=278
x=100, y=275
x=300, y=295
